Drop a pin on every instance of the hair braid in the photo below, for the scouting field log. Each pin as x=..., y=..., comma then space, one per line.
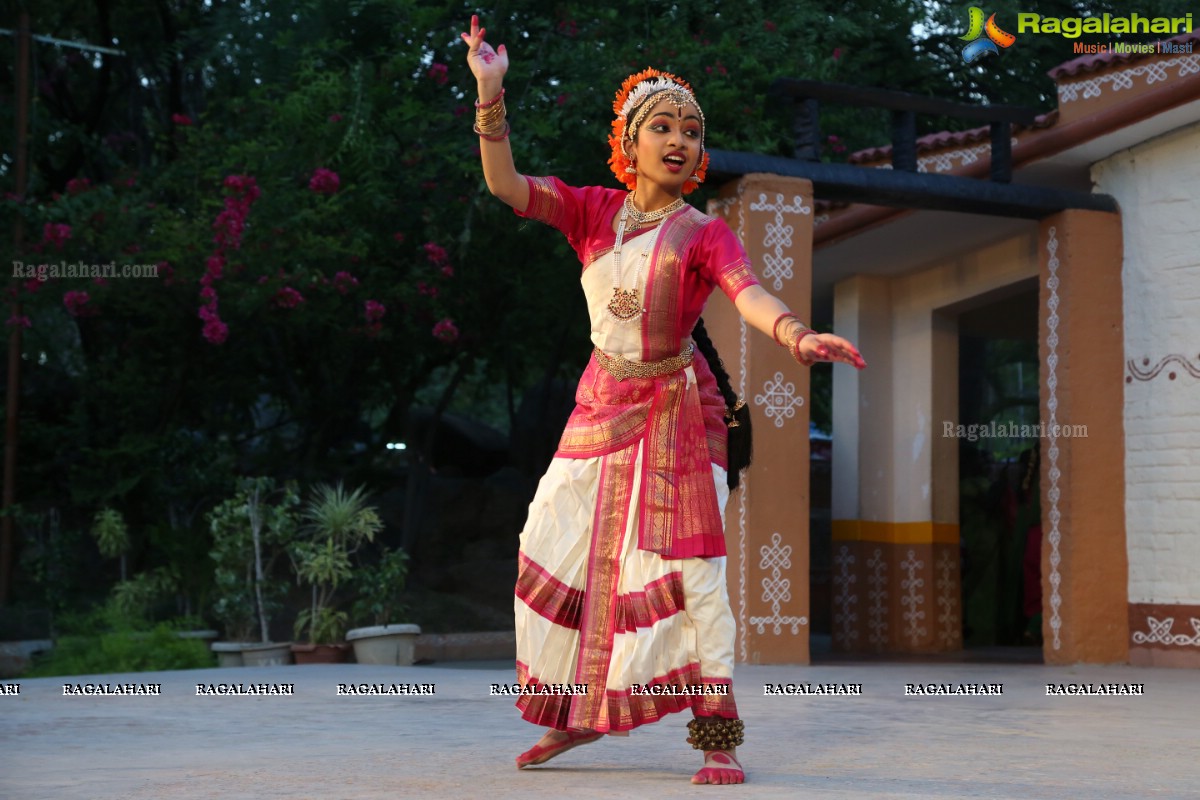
x=740, y=449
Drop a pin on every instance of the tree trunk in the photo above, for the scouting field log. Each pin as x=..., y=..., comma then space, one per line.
x=259, y=578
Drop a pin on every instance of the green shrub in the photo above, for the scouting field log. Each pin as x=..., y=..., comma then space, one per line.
x=99, y=644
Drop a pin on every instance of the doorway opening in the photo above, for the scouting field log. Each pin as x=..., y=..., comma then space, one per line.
x=999, y=476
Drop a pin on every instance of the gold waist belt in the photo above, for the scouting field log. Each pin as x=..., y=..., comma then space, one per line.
x=621, y=368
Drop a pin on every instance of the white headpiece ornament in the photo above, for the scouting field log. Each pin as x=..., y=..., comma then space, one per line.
x=648, y=87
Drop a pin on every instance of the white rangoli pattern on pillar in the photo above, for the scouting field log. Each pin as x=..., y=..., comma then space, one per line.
x=720, y=207
x=777, y=589
x=844, y=599
x=877, y=624
x=947, y=600
x=777, y=266
x=779, y=400
x=1053, y=494
x=913, y=615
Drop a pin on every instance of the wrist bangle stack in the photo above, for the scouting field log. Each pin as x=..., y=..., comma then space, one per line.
x=793, y=331
x=490, y=119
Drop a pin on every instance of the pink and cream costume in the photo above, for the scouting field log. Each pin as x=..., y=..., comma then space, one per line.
x=622, y=562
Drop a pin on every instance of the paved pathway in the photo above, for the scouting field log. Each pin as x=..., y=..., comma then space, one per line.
x=460, y=742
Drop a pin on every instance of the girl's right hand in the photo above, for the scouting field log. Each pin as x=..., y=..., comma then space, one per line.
x=487, y=65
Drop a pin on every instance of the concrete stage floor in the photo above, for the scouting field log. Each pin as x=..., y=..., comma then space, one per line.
x=460, y=741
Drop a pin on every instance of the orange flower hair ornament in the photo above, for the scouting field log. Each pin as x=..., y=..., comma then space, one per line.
x=631, y=99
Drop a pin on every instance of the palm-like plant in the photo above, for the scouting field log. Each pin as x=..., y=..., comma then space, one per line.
x=336, y=525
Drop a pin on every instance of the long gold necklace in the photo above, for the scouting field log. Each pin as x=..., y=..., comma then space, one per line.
x=626, y=304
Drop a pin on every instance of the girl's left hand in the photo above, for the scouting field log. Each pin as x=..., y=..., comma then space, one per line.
x=487, y=65
x=829, y=347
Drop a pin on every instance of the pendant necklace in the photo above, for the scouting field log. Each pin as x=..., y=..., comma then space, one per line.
x=626, y=304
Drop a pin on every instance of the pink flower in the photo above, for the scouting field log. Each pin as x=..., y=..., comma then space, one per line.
x=769, y=26
x=229, y=226
x=215, y=331
x=440, y=73
x=32, y=285
x=245, y=190
x=428, y=186
x=344, y=282
x=335, y=117
x=181, y=119
x=563, y=98
x=287, y=297
x=837, y=53
x=324, y=181
x=374, y=310
x=237, y=182
x=426, y=290
x=209, y=295
x=215, y=265
x=460, y=110
x=435, y=253
x=399, y=237
x=21, y=321
x=78, y=186
x=445, y=331
x=56, y=235
x=448, y=271
x=75, y=300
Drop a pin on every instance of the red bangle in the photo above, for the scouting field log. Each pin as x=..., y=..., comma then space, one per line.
x=491, y=102
x=796, y=348
x=775, y=327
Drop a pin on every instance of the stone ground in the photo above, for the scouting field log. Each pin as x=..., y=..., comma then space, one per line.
x=460, y=742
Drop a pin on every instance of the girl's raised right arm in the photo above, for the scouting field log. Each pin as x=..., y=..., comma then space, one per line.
x=488, y=66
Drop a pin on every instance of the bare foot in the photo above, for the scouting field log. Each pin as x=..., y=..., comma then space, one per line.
x=555, y=743
x=720, y=767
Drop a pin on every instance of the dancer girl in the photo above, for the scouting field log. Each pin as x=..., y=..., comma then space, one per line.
x=621, y=582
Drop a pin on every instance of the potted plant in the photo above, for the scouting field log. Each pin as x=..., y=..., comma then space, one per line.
x=336, y=525
x=379, y=587
x=251, y=531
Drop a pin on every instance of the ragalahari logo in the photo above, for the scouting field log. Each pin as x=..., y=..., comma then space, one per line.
x=979, y=44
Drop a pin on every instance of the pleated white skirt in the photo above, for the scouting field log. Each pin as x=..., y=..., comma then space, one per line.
x=592, y=608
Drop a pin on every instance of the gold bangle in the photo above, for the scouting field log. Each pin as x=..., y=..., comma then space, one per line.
x=793, y=337
x=491, y=116
x=497, y=137
x=775, y=327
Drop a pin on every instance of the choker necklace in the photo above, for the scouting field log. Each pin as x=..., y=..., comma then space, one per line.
x=626, y=304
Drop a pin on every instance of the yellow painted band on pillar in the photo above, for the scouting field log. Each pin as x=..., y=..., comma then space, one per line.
x=857, y=530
